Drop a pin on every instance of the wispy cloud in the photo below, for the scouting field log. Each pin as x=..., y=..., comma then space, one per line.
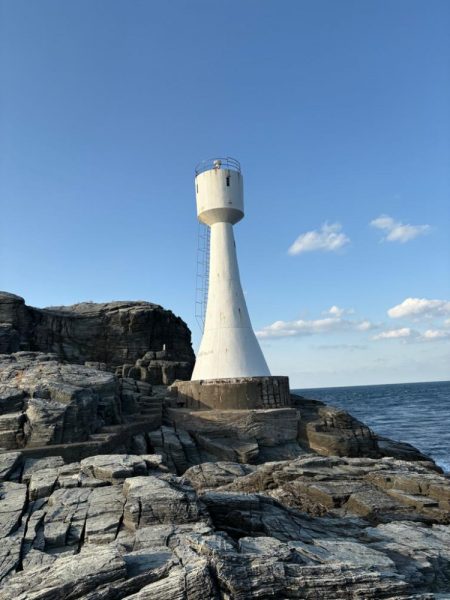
x=303, y=327
x=300, y=327
x=436, y=334
x=396, y=231
x=392, y=334
x=336, y=311
x=329, y=238
x=341, y=320
x=350, y=347
x=420, y=307
x=407, y=334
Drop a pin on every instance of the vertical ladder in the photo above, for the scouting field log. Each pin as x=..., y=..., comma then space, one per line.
x=202, y=275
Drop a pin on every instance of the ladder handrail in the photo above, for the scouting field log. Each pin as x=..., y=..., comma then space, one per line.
x=202, y=274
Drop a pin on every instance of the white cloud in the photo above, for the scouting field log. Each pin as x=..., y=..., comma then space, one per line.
x=420, y=307
x=300, y=327
x=304, y=327
x=336, y=311
x=350, y=347
x=404, y=332
x=435, y=334
x=411, y=335
x=396, y=231
x=329, y=238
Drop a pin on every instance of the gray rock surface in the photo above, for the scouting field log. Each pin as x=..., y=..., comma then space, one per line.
x=265, y=435
x=78, y=409
x=113, y=467
x=378, y=490
x=246, y=436
x=299, y=502
x=285, y=529
x=59, y=403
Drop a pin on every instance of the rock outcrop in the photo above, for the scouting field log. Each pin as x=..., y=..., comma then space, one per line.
x=112, y=488
x=121, y=526
x=331, y=431
x=43, y=401
x=260, y=435
x=381, y=491
x=136, y=339
x=48, y=407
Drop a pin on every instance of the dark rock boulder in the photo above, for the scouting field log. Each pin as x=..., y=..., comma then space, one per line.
x=331, y=431
x=139, y=339
x=14, y=323
x=52, y=408
x=44, y=401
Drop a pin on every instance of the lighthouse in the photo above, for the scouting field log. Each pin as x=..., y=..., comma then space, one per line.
x=231, y=372
x=229, y=348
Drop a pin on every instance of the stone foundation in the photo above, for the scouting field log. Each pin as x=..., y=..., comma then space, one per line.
x=226, y=394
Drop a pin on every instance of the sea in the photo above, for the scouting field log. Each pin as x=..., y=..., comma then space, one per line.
x=417, y=413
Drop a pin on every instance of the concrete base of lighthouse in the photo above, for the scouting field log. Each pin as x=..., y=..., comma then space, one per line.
x=243, y=393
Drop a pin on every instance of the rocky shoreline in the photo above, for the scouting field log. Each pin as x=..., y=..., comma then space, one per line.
x=111, y=488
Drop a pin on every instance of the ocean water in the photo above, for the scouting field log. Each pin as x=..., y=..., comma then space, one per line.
x=417, y=413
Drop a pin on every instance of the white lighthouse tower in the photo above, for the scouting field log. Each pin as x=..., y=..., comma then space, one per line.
x=229, y=348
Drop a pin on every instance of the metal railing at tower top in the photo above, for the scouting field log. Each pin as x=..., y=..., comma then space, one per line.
x=218, y=163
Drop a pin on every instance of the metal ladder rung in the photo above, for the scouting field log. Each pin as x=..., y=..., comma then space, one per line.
x=202, y=275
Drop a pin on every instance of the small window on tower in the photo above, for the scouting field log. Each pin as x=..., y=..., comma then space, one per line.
x=228, y=181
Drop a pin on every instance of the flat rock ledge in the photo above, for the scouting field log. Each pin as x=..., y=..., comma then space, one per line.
x=314, y=527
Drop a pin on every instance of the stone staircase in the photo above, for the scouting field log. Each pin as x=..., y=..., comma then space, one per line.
x=142, y=406
x=148, y=402
x=151, y=407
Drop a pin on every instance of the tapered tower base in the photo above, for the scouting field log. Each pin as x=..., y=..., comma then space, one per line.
x=235, y=393
x=229, y=348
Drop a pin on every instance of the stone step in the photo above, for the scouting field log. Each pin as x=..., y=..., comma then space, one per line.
x=150, y=410
x=147, y=417
x=99, y=437
x=11, y=421
x=149, y=403
x=413, y=500
x=112, y=428
x=138, y=425
x=150, y=398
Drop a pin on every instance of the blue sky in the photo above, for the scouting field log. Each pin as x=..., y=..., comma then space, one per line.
x=339, y=113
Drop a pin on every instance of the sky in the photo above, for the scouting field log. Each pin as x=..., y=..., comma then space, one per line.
x=339, y=113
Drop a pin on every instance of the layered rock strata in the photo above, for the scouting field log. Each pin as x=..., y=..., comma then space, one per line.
x=121, y=526
x=52, y=408
x=99, y=500
x=136, y=339
x=261, y=435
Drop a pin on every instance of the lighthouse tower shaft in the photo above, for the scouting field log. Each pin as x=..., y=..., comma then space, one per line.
x=229, y=348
